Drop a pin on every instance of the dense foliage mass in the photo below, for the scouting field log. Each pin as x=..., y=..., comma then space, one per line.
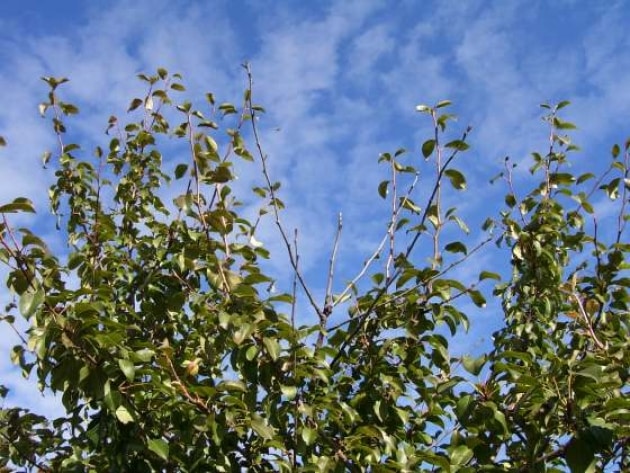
x=169, y=352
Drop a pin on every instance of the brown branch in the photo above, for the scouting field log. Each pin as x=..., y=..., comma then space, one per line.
x=378, y=250
x=363, y=317
x=272, y=193
x=328, y=302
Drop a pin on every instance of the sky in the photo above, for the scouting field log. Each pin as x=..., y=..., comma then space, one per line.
x=340, y=81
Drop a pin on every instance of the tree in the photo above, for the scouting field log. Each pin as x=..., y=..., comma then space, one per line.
x=171, y=354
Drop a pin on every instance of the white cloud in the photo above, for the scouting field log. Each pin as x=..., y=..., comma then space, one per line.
x=340, y=80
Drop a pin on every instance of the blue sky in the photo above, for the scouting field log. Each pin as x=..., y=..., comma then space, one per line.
x=340, y=81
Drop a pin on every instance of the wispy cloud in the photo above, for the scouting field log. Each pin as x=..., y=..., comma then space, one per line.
x=340, y=80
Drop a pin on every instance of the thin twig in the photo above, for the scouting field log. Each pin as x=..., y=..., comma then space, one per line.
x=296, y=405
x=587, y=321
x=328, y=303
x=438, y=196
x=392, y=228
x=363, y=317
x=416, y=286
x=378, y=250
x=621, y=220
x=272, y=193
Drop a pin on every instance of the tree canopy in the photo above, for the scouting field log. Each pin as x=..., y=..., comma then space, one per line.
x=158, y=328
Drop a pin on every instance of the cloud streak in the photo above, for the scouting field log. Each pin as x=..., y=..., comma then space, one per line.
x=340, y=80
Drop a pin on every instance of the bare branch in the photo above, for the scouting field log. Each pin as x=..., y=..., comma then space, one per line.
x=272, y=193
x=328, y=303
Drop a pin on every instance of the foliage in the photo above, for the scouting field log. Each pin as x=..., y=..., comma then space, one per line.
x=169, y=352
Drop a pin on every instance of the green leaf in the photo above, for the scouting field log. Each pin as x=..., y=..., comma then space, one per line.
x=456, y=247
x=273, y=347
x=30, y=301
x=407, y=203
x=289, y=391
x=144, y=355
x=309, y=435
x=473, y=365
x=159, y=447
x=461, y=455
x=477, y=298
x=580, y=456
x=427, y=148
x=489, y=275
x=457, y=178
x=562, y=125
x=615, y=150
x=232, y=385
x=20, y=204
x=123, y=415
x=180, y=170
x=243, y=333
x=459, y=145
x=135, y=103
x=593, y=372
x=128, y=369
x=3, y=141
x=443, y=103
x=262, y=428
x=382, y=189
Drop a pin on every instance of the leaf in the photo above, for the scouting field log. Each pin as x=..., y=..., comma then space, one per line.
x=180, y=170
x=457, y=178
x=461, y=455
x=232, y=385
x=309, y=435
x=255, y=243
x=459, y=145
x=615, y=150
x=562, y=125
x=456, y=247
x=382, y=189
x=243, y=333
x=473, y=365
x=20, y=204
x=123, y=415
x=30, y=301
x=148, y=103
x=135, y=103
x=128, y=369
x=443, y=103
x=460, y=223
x=489, y=275
x=144, y=355
x=593, y=372
x=407, y=203
x=289, y=391
x=427, y=148
x=477, y=298
x=273, y=347
x=580, y=455
x=3, y=141
x=159, y=447
x=261, y=427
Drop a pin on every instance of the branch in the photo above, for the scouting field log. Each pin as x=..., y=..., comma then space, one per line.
x=272, y=193
x=363, y=317
x=328, y=302
x=378, y=250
